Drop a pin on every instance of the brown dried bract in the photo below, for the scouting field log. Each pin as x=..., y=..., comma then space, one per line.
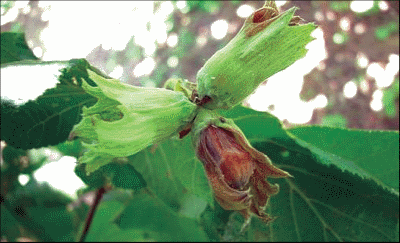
x=200, y=102
x=264, y=16
x=237, y=172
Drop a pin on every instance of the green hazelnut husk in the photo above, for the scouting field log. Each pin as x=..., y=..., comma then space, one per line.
x=267, y=43
x=126, y=119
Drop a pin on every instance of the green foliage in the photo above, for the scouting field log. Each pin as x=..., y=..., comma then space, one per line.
x=185, y=40
x=172, y=170
x=133, y=52
x=9, y=225
x=53, y=113
x=14, y=48
x=389, y=98
x=120, y=174
x=335, y=120
x=385, y=31
x=71, y=148
x=340, y=6
x=206, y=6
x=372, y=11
x=372, y=155
x=325, y=204
x=105, y=229
x=148, y=214
x=41, y=210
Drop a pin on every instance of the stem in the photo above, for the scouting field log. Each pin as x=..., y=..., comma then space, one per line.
x=93, y=208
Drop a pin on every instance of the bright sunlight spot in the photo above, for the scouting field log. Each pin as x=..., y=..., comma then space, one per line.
x=117, y=72
x=219, y=29
x=60, y=175
x=383, y=5
x=320, y=101
x=374, y=70
x=172, y=62
x=385, y=77
x=350, y=89
x=31, y=90
x=23, y=179
x=280, y=3
x=89, y=32
x=345, y=24
x=377, y=95
x=165, y=9
x=38, y=51
x=201, y=41
x=172, y=40
x=244, y=11
x=376, y=103
x=13, y=12
x=392, y=68
x=26, y=9
x=362, y=60
x=319, y=16
x=182, y=6
x=338, y=38
x=145, y=67
x=361, y=6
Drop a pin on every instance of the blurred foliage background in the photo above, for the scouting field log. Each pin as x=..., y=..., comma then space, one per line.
x=146, y=43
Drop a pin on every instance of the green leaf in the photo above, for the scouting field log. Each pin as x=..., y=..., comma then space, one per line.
x=14, y=48
x=192, y=206
x=125, y=176
x=71, y=148
x=119, y=173
x=42, y=211
x=149, y=214
x=48, y=104
x=103, y=227
x=94, y=180
x=9, y=225
x=171, y=167
x=371, y=155
x=326, y=204
x=255, y=124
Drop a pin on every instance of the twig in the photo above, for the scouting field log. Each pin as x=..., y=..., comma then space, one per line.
x=89, y=217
